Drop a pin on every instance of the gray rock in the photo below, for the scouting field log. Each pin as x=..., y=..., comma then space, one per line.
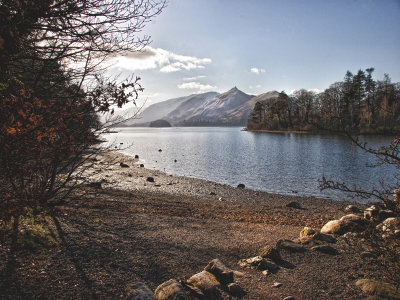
x=290, y=246
x=294, y=204
x=220, y=271
x=241, y=186
x=378, y=288
x=277, y=284
x=353, y=223
x=270, y=252
x=207, y=283
x=372, y=213
x=170, y=290
x=307, y=231
x=258, y=263
x=348, y=223
x=353, y=218
x=389, y=227
x=139, y=291
x=393, y=223
x=332, y=227
x=353, y=209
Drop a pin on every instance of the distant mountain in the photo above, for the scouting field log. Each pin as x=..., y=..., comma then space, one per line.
x=159, y=110
x=231, y=108
x=222, y=110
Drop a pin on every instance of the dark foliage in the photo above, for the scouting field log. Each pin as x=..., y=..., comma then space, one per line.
x=359, y=104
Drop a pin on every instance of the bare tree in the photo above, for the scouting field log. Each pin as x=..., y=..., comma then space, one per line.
x=52, y=89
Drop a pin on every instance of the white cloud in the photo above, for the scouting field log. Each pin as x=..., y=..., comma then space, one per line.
x=254, y=86
x=257, y=70
x=317, y=91
x=196, y=86
x=194, y=78
x=157, y=58
x=170, y=69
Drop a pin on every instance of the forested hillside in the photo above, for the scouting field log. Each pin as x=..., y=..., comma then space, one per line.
x=359, y=103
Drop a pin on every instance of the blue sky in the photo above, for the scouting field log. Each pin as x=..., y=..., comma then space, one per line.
x=263, y=45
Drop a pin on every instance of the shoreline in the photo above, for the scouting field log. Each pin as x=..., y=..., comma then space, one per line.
x=120, y=174
x=326, y=132
x=134, y=179
x=127, y=230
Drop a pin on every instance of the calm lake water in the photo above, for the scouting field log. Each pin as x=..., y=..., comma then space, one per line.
x=284, y=163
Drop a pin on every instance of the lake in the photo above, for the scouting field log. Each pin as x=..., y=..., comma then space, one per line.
x=283, y=163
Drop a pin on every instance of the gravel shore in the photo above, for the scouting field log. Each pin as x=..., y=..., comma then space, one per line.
x=131, y=229
x=134, y=179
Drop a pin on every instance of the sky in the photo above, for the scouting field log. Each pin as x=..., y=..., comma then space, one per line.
x=263, y=45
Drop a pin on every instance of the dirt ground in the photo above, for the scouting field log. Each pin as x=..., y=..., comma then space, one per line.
x=133, y=230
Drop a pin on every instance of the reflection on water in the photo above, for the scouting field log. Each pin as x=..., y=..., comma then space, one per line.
x=286, y=163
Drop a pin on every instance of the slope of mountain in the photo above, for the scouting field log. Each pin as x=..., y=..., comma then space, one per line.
x=231, y=108
x=160, y=110
x=221, y=110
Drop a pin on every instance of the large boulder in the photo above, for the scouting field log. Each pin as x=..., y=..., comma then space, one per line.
x=353, y=223
x=371, y=213
x=377, y=288
x=353, y=209
x=392, y=223
x=207, y=283
x=309, y=236
x=220, y=271
x=390, y=227
x=332, y=227
x=258, y=263
x=170, y=290
x=270, y=252
x=307, y=231
x=377, y=214
x=348, y=223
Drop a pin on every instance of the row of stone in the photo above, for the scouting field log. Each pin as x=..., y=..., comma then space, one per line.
x=384, y=220
x=213, y=282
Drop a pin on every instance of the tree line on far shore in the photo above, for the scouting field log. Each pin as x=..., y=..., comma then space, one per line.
x=358, y=104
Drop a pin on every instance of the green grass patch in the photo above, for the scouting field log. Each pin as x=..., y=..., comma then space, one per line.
x=37, y=232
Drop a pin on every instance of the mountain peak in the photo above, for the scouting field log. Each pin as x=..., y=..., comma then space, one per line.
x=234, y=89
